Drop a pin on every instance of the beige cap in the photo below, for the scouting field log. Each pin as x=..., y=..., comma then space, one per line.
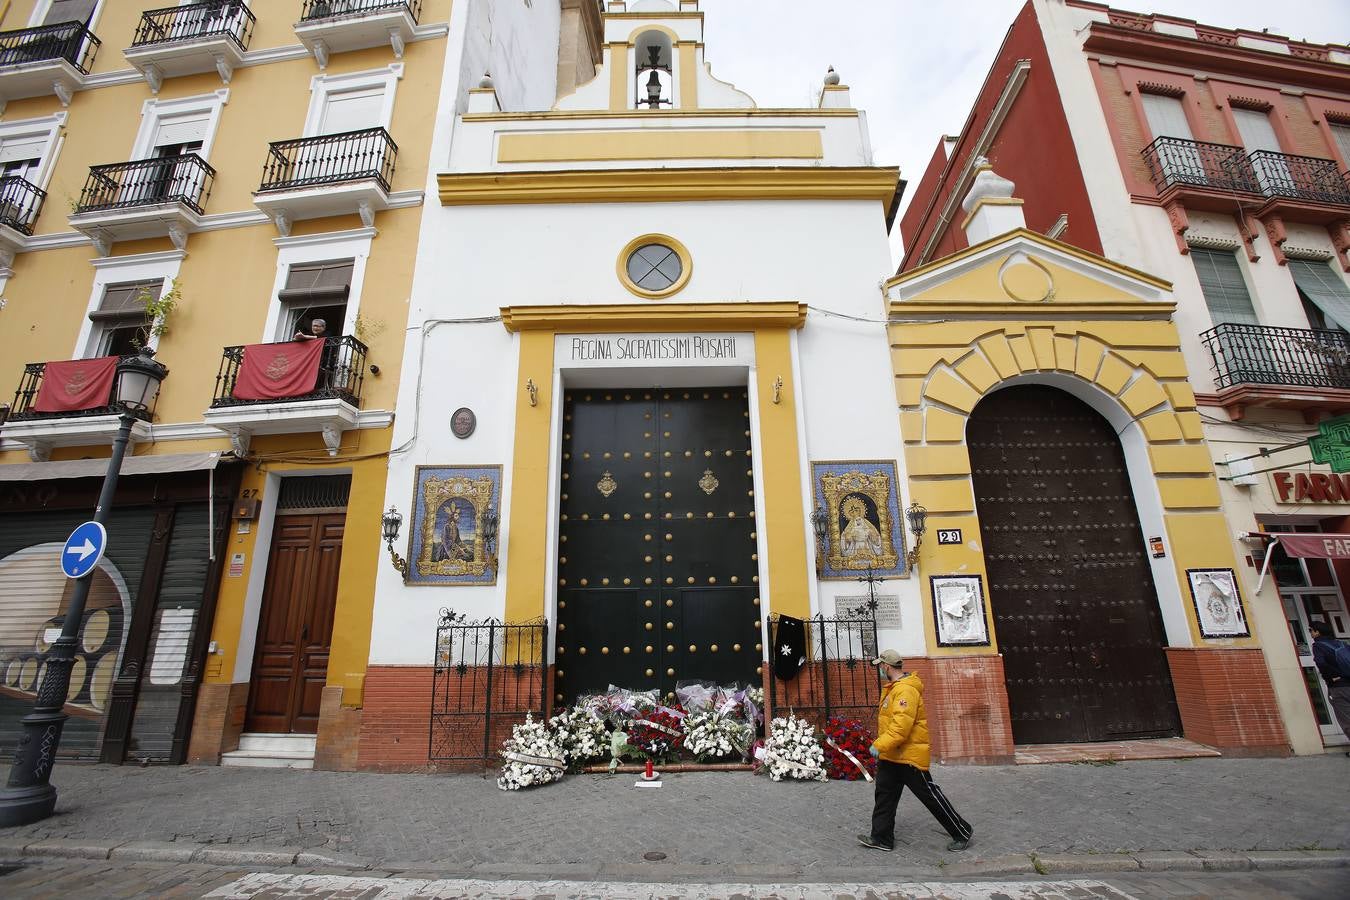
x=889, y=657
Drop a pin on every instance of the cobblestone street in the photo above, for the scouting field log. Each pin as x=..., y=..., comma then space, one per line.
x=729, y=822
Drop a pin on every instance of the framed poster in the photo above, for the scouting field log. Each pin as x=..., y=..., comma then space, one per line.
x=1218, y=604
x=865, y=529
x=958, y=610
x=445, y=543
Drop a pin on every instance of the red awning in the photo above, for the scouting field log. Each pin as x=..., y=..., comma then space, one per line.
x=1324, y=546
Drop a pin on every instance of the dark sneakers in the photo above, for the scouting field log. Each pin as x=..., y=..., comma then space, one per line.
x=867, y=841
x=956, y=846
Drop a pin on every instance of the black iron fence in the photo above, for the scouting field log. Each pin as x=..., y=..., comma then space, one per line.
x=31, y=383
x=1300, y=177
x=488, y=675
x=227, y=18
x=837, y=678
x=330, y=159
x=333, y=9
x=185, y=179
x=20, y=203
x=342, y=368
x=70, y=41
x=1174, y=161
x=1261, y=354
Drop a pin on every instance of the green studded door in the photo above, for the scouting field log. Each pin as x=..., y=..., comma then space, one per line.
x=657, y=572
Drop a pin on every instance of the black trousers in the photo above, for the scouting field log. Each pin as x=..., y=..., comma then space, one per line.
x=892, y=779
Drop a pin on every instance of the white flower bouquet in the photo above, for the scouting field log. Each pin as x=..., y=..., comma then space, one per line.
x=711, y=736
x=532, y=757
x=580, y=734
x=792, y=751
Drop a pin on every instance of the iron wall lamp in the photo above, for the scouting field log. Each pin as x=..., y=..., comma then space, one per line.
x=820, y=524
x=392, y=521
x=490, y=523
x=918, y=523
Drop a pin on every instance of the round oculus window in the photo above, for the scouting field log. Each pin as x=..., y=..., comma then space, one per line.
x=655, y=267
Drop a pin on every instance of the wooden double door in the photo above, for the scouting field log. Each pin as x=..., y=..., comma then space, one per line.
x=658, y=573
x=295, y=629
x=1070, y=581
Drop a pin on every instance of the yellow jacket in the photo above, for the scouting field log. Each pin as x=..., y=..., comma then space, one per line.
x=902, y=726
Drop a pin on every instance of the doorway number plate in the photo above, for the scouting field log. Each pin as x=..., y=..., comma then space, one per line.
x=949, y=535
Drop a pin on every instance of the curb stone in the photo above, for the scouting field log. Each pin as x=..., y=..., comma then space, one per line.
x=1220, y=861
x=153, y=851
x=70, y=849
x=1169, y=861
x=1086, y=863
x=221, y=855
x=1270, y=860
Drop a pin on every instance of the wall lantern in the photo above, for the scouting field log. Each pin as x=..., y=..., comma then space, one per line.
x=490, y=523
x=918, y=523
x=820, y=524
x=392, y=521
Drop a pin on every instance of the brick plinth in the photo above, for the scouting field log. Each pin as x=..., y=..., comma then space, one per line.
x=967, y=707
x=1227, y=701
x=339, y=736
x=217, y=722
x=395, y=726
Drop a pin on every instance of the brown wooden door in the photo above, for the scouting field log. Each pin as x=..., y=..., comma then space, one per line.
x=295, y=630
x=1070, y=583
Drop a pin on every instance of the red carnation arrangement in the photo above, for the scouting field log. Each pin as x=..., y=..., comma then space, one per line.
x=851, y=735
x=658, y=735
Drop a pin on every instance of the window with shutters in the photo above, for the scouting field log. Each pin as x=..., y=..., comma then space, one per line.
x=1325, y=295
x=1224, y=287
x=54, y=12
x=175, y=127
x=120, y=320
x=25, y=148
x=351, y=102
x=1340, y=132
x=316, y=291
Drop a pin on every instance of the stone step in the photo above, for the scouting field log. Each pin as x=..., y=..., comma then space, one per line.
x=268, y=759
x=288, y=743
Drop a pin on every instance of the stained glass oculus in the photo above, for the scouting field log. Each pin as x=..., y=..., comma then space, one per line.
x=654, y=267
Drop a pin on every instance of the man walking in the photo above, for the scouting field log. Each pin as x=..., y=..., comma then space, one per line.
x=1329, y=655
x=901, y=750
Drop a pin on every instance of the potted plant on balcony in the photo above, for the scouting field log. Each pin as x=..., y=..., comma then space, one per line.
x=159, y=309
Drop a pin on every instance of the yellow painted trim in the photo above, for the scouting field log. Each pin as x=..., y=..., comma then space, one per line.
x=1035, y=238
x=653, y=15
x=527, y=550
x=614, y=144
x=643, y=29
x=670, y=185
x=780, y=465
x=686, y=265
x=921, y=310
x=688, y=75
x=551, y=114
x=618, y=317
x=618, y=76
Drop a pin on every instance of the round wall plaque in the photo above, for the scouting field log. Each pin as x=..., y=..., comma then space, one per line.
x=463, y=422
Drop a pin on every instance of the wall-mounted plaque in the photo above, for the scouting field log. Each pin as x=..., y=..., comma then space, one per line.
x=463, y=422
x=446, y=540
x=958, y=610
x=1218, y=605
x=863, y=515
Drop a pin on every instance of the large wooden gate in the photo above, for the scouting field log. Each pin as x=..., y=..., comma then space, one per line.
x=657, y=569
x=1070, y=584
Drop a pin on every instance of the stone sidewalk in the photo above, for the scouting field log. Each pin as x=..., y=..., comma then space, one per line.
x=1180, y=815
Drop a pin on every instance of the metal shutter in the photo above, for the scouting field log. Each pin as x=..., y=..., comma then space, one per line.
x=122, y=301
x=69, y=11
x=1322, y=287
x=1224, y=288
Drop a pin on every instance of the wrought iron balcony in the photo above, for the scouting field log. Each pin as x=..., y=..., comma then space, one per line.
x=1177, y=163
x=333, y=9
x=1306, y=178
x=212, y=18
x=183, y=179
x=20, y=203
x=26, y=396
x=69, y=41
x=342, y=367
x=330, y=159
x=1288, y=357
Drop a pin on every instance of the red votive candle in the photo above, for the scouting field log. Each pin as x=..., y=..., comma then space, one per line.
x=649, y=773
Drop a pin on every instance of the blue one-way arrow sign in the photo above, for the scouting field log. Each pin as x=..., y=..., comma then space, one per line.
x=83, y=549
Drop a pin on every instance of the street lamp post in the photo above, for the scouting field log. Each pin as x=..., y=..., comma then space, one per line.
x=28, y=796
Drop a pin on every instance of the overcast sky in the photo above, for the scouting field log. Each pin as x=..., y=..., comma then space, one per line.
x=915, y=67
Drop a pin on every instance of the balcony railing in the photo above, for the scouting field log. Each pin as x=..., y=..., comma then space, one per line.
x=1174, y=161
x=335, y=9
x=1300, y=177
x=183, y=179
x=20, y=203
x=227, y=18
x=1291, y=357
x=31, y=383
x=342, y=369
x=330, y=159
x=70, y=41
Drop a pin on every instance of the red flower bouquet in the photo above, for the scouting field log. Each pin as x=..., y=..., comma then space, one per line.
x=658, y=735
x=849, y=735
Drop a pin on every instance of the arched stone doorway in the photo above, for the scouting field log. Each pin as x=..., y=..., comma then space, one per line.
x=1070, y=585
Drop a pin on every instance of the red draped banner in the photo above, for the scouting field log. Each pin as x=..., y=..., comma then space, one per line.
x=76, y=384
x=275, y=371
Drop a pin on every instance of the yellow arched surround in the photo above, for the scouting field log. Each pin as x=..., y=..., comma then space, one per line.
x=945, y=365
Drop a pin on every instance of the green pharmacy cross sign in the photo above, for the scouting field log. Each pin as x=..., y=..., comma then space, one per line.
x=1332, y=444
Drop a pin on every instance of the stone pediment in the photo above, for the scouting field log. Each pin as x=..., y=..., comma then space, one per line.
x=1025, y=272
